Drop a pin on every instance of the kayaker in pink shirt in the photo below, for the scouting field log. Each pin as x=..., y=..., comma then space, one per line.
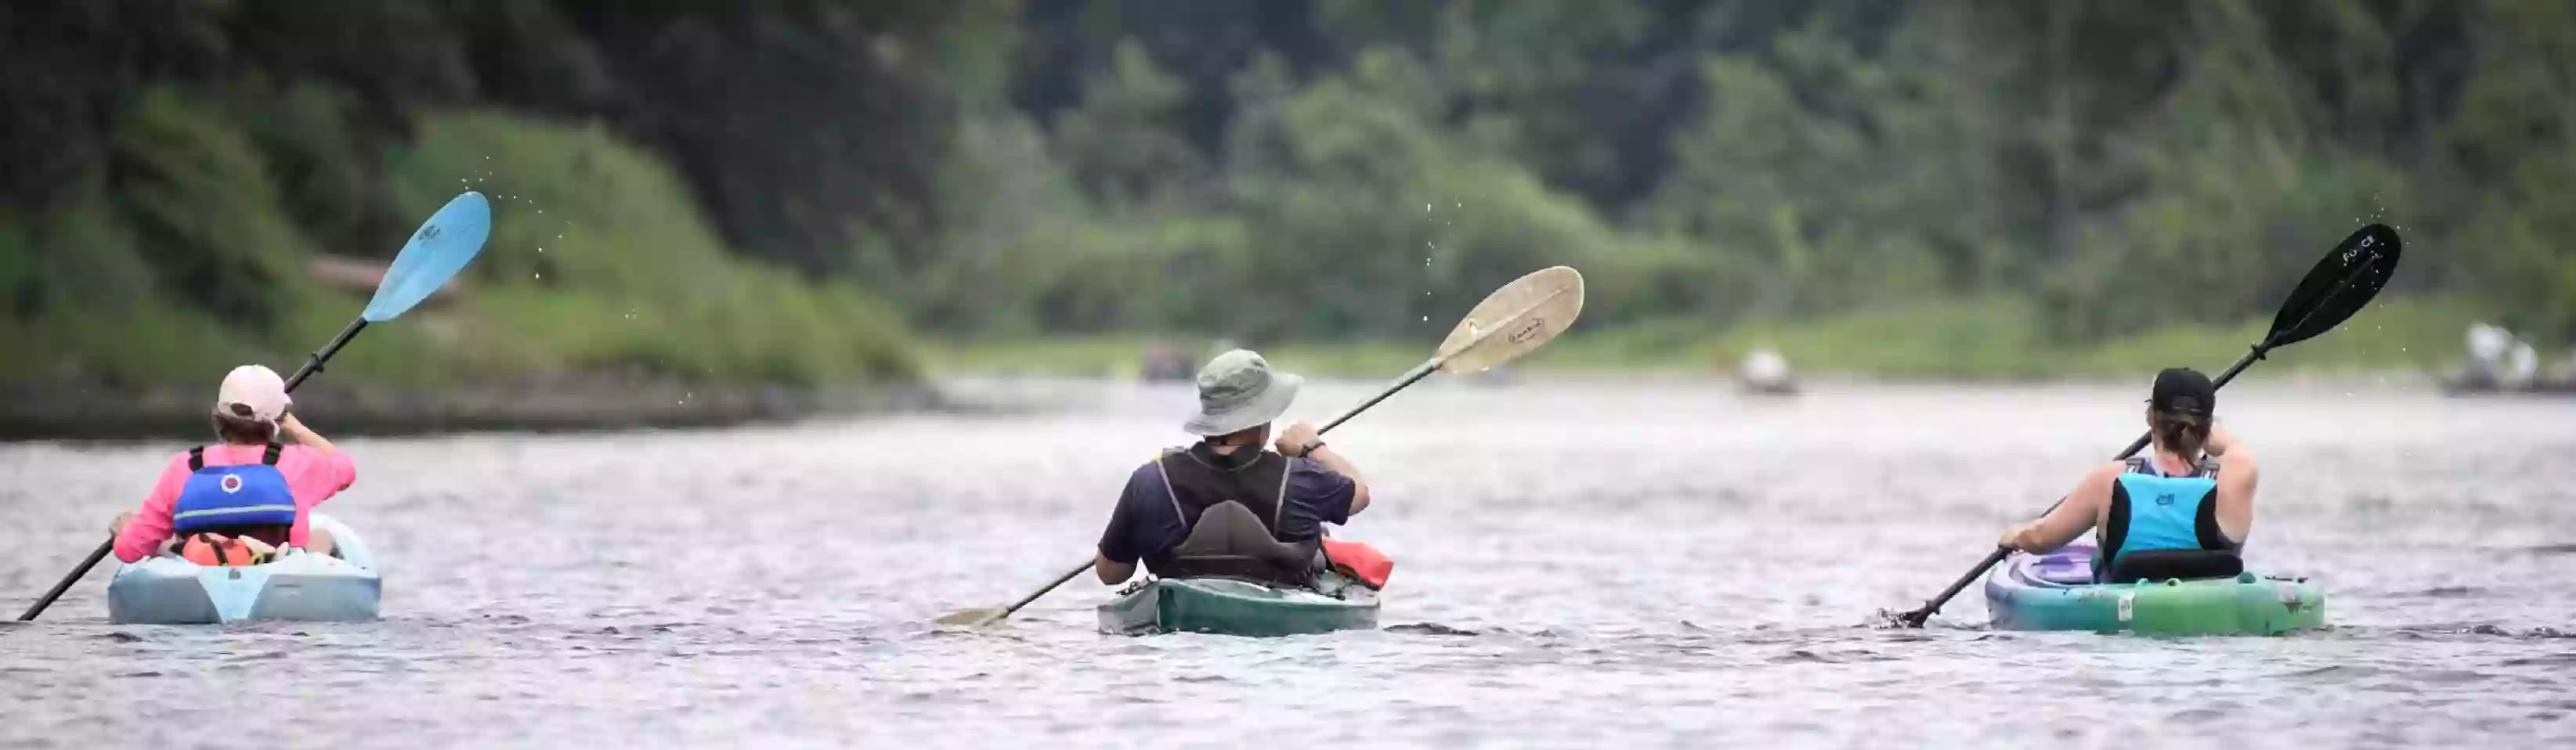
x=255, y=488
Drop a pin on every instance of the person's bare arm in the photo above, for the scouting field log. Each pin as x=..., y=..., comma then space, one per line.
x=2237, y=476
x=2069, y=519
x=294, y=429
x=1292, y=442
x=1111, y=573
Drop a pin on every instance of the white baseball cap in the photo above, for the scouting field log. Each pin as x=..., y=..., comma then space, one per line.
x=256, y=387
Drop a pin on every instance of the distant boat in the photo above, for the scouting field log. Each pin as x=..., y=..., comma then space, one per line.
x=1766, y=372
x=1165, y=364
x=2498, y=363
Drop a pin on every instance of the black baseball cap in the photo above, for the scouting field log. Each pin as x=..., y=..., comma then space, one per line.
x=2185, y=391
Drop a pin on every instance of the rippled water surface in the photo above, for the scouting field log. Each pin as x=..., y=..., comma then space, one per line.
x=1585, y=564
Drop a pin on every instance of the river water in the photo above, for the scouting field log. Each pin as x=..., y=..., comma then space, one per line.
x=1599, y=564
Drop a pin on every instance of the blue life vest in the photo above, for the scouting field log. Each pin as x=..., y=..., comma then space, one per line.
x=2151, y=511
x=224, y=497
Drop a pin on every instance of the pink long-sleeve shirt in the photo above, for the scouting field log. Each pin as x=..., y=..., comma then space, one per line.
x=312, y=476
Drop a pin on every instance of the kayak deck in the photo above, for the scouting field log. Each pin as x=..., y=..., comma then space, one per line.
x=2055, y=592
x=162, y=590
x=1227, y=606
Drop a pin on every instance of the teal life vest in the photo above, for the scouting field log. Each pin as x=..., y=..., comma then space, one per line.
x=2155, y=513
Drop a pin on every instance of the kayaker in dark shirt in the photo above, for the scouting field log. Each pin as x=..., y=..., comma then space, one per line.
x=1225, y=506
x=2182, y=511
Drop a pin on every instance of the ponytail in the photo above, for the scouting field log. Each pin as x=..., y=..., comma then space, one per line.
x=2183, y=434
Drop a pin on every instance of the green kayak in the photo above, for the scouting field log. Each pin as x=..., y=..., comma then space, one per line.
x=2055, y=592
x=1228, y=606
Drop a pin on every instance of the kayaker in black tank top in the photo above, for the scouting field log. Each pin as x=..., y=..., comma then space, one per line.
x=1224, y=506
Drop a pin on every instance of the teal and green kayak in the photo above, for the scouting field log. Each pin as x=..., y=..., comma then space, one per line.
x=2055, y=592
x=1228, y=606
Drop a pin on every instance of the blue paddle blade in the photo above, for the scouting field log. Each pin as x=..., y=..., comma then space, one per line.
x=443, y=246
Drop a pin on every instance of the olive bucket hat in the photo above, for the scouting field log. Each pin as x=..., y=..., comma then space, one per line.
x=1238, y=391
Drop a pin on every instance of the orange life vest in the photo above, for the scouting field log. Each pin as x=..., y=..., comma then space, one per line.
x=231, y=552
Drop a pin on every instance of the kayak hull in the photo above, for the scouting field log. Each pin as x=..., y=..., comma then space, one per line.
x=1226, y=606
x=340, y=587
x=2052, y=592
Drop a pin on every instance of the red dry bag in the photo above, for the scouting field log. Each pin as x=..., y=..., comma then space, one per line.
x=1359, y=561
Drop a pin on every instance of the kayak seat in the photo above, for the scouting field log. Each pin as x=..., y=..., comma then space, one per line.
x=1230, y=542
x=2183, y=564
x=2062, y=569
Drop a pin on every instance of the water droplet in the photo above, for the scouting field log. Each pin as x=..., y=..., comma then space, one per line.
x=1426, y=207
x=1461, y=205
x=1426, y=319
x=541, y=274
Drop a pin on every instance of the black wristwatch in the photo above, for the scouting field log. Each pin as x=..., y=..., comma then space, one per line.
x=1309, y=448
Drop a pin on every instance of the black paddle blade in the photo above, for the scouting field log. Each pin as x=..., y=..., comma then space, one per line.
x=2340, y=285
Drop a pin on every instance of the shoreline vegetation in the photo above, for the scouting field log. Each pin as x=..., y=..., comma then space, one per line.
x=1993, y=340
x=2412, y=337
x=817, y=207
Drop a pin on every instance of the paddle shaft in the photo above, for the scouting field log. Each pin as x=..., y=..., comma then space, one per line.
x=1042, y=591
x=1917, y=617
x=66, y=583
x=311, y=366
x=314, y=364
x=1419, y=372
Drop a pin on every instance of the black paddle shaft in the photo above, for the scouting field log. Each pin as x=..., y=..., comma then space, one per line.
x=314, y=364
x=66, y=584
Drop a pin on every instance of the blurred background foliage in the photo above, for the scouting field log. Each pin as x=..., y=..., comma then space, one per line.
x=811, y=192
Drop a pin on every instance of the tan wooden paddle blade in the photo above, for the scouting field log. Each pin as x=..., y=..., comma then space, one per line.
x=972, y=617
x=1514, y=320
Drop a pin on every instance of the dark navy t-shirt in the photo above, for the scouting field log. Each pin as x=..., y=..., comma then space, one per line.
x=1146, y=526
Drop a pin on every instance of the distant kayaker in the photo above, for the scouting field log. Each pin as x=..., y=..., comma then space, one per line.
x=236, y=501
x=1224, y=506
x=2181, y=512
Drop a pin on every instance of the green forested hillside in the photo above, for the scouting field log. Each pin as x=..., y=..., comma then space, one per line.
x=791, y=191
